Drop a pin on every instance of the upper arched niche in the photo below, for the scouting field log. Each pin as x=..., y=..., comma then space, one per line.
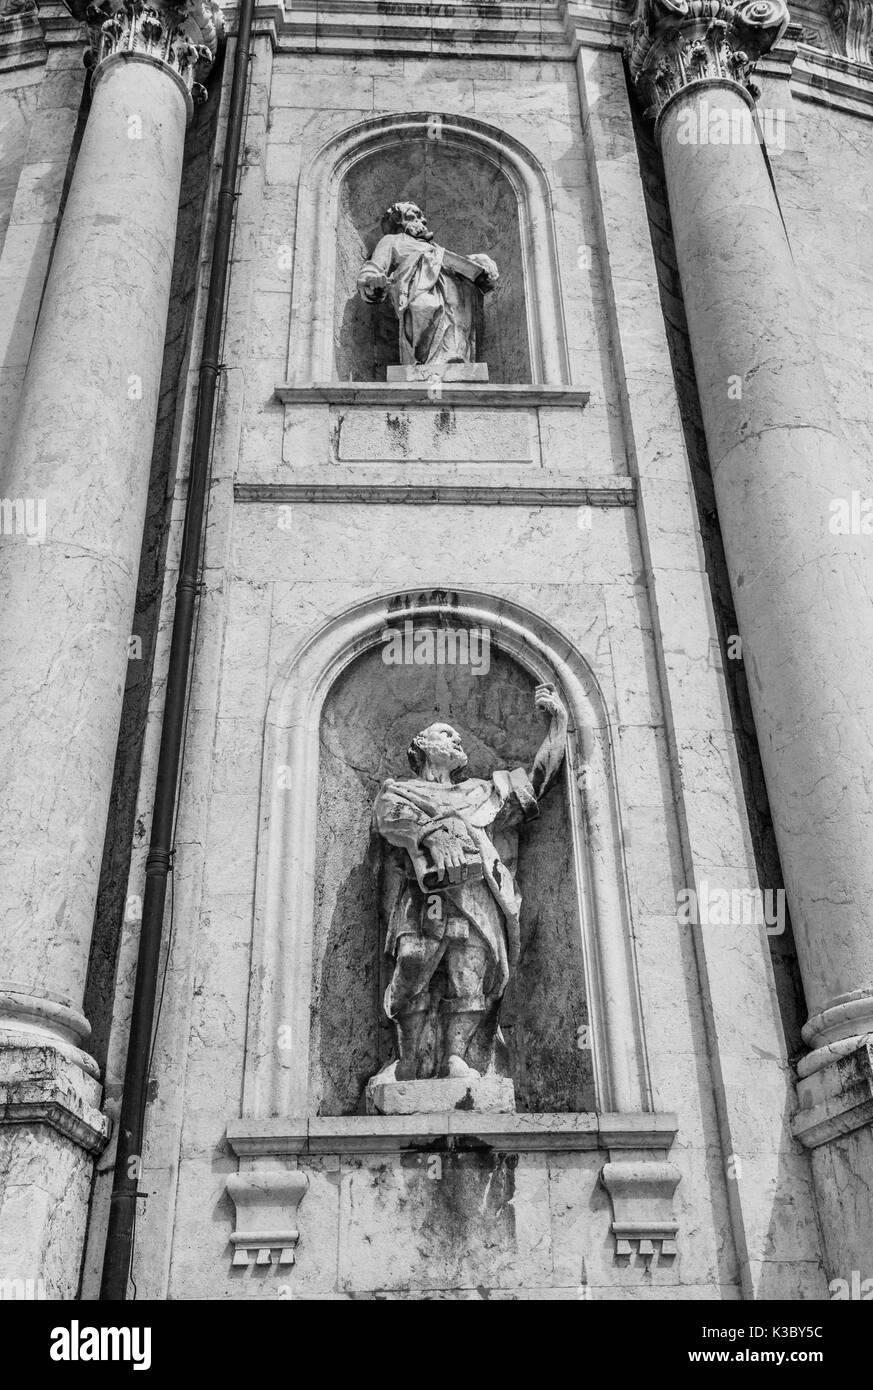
x=470, y=206
x=481, y=190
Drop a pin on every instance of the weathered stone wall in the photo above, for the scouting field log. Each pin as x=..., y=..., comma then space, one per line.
x=18, y=103
x=42, y=108
x=279, y=566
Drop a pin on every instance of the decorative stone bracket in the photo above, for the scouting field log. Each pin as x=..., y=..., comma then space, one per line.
x=266, y=1212
x=641, y=1191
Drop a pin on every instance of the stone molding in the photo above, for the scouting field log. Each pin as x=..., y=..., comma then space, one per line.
x=37, y=1021
x=40, y=1086
x=834, y=81
x=28, y=33
x=837, y=1098
x=597, y=492
x=277, y=1080
x=266, y=1211
x=22, y=43
x=310, y=346
x=460, y=1129
x=836, y=1031
x=378, y=393
x=677, y=45
x=511, y=29
x=181, y=38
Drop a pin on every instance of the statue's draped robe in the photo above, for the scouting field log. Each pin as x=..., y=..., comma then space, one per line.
x=435, y=310
x=489, y=812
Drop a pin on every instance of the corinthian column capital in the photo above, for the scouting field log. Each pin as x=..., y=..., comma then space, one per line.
x=674, y=44
x=181, y=37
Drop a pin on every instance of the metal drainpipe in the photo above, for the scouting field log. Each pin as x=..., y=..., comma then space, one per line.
x=122, y=1211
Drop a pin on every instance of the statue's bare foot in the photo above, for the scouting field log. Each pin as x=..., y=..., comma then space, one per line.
x=457, y=1067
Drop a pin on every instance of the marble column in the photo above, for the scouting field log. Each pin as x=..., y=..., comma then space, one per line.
x=803, y=592
x=75, y=482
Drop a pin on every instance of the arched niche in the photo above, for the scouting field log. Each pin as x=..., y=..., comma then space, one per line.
x=471, y=206
x=370, y=714
x=482, y=191
x=278, y=1077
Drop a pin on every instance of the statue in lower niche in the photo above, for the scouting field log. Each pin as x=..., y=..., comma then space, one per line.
x=433, y=292
x=449, y=892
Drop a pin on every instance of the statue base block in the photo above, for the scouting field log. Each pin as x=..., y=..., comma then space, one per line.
x=489, y=1094
x=454, y=371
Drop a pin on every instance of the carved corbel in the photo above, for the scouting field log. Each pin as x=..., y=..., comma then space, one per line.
x=266, y=1215
x=641, y=1192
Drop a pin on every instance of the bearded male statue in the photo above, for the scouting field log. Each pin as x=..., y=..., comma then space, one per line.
x=449, y=891
x=433, y=291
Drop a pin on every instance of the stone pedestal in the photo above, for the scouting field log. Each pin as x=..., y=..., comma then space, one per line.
x=488, y=1094
x=455, y=371
x=79, y=462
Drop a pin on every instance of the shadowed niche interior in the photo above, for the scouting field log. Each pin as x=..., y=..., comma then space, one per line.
x=471, y=207
x=369, y=718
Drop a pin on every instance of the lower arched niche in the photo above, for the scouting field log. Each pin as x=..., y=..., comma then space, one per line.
x=370, y=713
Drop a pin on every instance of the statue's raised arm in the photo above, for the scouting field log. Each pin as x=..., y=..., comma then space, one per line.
x=550, y=754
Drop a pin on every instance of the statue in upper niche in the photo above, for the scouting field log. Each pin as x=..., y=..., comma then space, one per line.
x=433, y=292
x=449, y=891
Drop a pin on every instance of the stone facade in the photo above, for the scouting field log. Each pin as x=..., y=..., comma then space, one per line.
x=638, y=505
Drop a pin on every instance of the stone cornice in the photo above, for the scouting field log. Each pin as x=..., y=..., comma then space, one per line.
x=27, y=32
x=513, y=1133
x=417, y=28
x=673, y=44
x=596, y=492
x=21, y=38
x=832, y=80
